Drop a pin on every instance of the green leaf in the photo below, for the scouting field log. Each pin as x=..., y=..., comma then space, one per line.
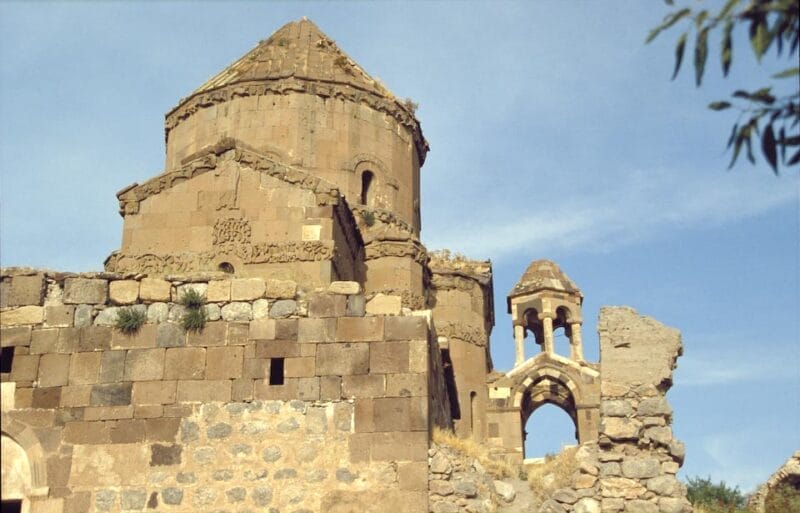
x=728, y=8
x=700, y=55
x=700, y=18
x=719, y=105
x=768, y=148
x=750, y=156
x=787, y=73
x=727, y=48
x=759, y=37
x=763, y=95
x=781, y=136
x=733, y=135
x=679, y=49
x=669, y=20
x=737, y=147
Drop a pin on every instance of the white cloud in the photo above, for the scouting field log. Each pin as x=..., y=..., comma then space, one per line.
x=605, y=212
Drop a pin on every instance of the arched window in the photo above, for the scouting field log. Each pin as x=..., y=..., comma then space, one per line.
x=367, y=192
x=473, y=412
x=547, y=430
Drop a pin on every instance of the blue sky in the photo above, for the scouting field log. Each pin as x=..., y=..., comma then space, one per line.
x=555, y=133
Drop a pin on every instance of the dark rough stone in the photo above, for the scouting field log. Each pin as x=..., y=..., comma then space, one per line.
x=283, y=308
x=240, y=449
x=112, y=394
x=565, y=495
x=236, y=494
x=466, y=488
x=152, y=503
x=222, y=475
x=551, y=506
x=261, y=496
x=219, y=430
x=298, y=406
x=651, y=406
x=271, y=454
x=285, y=473
x=236, y=408
x=356, y=305
x=170, y=335
x=288, y=425
x=315, y=476
x=190, y=431
x=186, y=478
x=255, y=476
x=134, y=499
x=172, y=496
x=112, y=366
x=165, y=454
x=316, y=421
x=344, y=475
x=104, y=500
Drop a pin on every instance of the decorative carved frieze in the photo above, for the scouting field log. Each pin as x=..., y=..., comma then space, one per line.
x=267, y=252
x=407, y=298
x=326, y=193
x=460, y=331
x=396, y=248
x=231, y=230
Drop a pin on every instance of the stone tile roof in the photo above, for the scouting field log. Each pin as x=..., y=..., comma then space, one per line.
x=543, y=275
x=298, y=49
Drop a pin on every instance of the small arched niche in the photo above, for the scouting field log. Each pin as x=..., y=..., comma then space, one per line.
x=367, y=188
x=15, y=482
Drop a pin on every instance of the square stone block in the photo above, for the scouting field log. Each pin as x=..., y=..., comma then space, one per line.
x=224, y=362
x=359, y=329
x=17, y=336
x=111, y=394
x=154, y=392
x=144, y=364
x=22, y=315
x=46, y=397
x=301, y=367
x=95, y=338
x=256, y=368
x=144, y=337
x=123, y=292
x=85, y=290
x=26, y=290
x=59, y=316
x=212, y=334
x=75, y=396
x=185, y=363
x=342, y=359
x=262, y=329
x=389, y=357
x=406, y=328
x=316, y=330
x=276, y=349
x=25, y=367
x=281, y=289
x=364, y=385
x=53, y=370
x=84, y=368
x=204, y=391
x=407, y=385
x=154, y=289
x=330, y=388
x=218, y=291
x=327, y=305
x=112, y=366
x=247, y=289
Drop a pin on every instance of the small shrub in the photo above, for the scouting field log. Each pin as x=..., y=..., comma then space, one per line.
x=472, y=449
x=711, y=497
x=555, y=473
x=192, y=299
x=194, y=319
x=368, y=217
x=784, y=498
x=129, y=320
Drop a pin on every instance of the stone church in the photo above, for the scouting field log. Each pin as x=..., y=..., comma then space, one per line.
x=272, y=335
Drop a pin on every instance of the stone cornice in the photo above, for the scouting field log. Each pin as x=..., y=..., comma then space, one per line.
x=208, y=159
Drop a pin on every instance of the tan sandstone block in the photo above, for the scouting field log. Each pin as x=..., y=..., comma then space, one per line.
x=247, y=289
x=382, y=304
x=262, y=329
x=59, y=316
x=25, y=367
x=85, y=290
x=84, y=368
x=299, y=367
x=185, y=363
x=154, y=392
x=342, y=359
x=22, y=315
x=281, y=289
x=359, y=329
x=204, y=391
x=344, y=287
x=123, y=292
x=413, y=475
x=224, y=362
x=16, y=336
x=389, y=357
x=154, y=289
x=218, y=291
x=75, y=396
x=26, y=290
x=53, y=370
x=144, y=364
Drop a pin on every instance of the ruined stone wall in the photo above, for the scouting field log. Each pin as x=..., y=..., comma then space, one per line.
x=189, y=421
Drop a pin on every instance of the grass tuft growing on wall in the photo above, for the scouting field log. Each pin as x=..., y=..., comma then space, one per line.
x=129, y=320
x=470, y=448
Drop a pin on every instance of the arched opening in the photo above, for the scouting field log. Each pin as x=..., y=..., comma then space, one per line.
x=16, y=476
x=226, y=267
x=534, y=325
x=473, y=413
x=548, y=430
x=561, y=341
x=367, y=188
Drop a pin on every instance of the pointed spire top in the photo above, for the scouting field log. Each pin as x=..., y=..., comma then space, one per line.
x=301, y=50
x=541, y=275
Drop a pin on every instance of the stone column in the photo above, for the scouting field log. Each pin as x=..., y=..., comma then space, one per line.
x=547, y=324
x=519, y=341
x=575, y=342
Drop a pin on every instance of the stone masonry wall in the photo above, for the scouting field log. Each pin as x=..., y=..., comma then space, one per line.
x=170, y=420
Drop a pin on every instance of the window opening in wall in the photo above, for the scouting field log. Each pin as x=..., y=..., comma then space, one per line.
x=547, y=431
x=450, y=383
x=473, y=412
x=276, y=371
x=11, y=506
x=561, y=342
x=226, y=267
x=6, y=357
x=367, y=178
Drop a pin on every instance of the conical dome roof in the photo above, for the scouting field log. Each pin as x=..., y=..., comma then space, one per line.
x=298, y=49
x=543, y=275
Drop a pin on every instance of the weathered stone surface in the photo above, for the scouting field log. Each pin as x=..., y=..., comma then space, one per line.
x=344, y=287
x=172, y=496
x=565, y=496
x=154, y=289
x=26, y=290
x=170, y=335
x=465, y=488
x=641, y=467
x=123, y=292
x=505, y=490
x=665, y=486
x=83, y=316
x=218, y=291
x=283, y=308
x=157, y=312
x=237, y=312
x=107, y=316
x=674, y=505
x=22, y=315
x=551, y=506
x=163, y=455
x=260, y=309
x=641, y=506
x=85, y=290
x=281, y=289
x=381, y=304
x=587, y=505
x=247, y=289
x=620, y=428
x=618, y=408
x=654, y=406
